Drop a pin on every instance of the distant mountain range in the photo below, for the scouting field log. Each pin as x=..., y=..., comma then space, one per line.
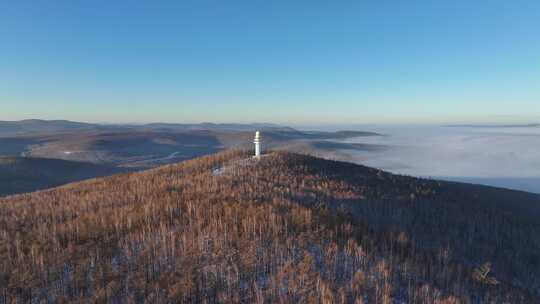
x=531, y=125
x=37, y=126
x=40, y=127
x=134, y=147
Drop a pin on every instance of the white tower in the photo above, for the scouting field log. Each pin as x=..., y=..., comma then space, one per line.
x=257, y=143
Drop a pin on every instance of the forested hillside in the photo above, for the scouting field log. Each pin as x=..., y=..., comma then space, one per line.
x=288, y=228
x=26, y=174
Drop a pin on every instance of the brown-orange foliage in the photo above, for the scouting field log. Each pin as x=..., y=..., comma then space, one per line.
x=286, y=229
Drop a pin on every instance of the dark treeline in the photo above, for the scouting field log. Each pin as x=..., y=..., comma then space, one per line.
x=286, y=229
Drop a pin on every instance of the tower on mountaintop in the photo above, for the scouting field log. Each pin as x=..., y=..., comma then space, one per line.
x=257, y=143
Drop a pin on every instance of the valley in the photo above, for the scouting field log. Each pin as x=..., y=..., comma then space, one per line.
x=122, y=148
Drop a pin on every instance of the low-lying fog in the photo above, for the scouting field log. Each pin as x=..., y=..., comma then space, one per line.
x=499, y=156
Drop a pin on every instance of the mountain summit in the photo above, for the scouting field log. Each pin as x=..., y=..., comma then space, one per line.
x=288, y=228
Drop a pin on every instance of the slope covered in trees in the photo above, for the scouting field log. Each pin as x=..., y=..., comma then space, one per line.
x=288, y=228
x=26, y=174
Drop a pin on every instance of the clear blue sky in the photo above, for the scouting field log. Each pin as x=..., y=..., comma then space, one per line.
x=272, y=61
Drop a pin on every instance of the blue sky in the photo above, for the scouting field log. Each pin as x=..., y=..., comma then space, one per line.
x=274, y=61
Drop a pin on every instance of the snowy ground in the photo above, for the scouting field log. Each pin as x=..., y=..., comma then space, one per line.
x=237, y=164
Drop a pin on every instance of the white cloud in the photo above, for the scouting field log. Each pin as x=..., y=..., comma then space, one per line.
x=460, y=153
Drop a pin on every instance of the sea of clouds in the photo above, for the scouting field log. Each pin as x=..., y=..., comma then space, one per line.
x=499, y=156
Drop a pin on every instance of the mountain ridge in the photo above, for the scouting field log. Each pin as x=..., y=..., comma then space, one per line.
x=289, y=227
